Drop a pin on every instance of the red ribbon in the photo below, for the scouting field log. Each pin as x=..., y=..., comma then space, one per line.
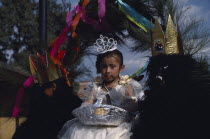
x=59, y=41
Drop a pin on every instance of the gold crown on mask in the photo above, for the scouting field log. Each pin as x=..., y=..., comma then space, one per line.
x=43, y=69
x=165, y=43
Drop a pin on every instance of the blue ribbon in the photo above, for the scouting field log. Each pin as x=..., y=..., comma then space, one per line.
x=142, y=70
x=130, y=12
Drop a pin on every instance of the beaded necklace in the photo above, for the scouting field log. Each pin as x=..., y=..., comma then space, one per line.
x=110, y=88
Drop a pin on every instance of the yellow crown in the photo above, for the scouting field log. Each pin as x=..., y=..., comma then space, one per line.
x=165, y=44
x=43, y=69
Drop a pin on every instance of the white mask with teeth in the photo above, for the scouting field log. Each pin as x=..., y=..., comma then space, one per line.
x=159, y=77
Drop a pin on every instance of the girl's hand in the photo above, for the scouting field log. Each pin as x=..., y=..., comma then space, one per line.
x=88, y=102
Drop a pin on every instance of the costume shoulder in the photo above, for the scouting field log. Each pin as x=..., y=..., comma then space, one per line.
x=135, y=84
x=137, y=88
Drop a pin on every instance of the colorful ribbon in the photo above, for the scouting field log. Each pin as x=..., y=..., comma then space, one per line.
x=19, y=96
x=135, y=17
x=141, y=70
x=101, y=24
x=71, y=26
x=58, y=41
x=56, y=56
x=63, y=70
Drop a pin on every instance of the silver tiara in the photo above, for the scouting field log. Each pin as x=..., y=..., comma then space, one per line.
x=105, y=44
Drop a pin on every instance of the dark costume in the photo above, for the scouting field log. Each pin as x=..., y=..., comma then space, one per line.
x=177, y=99
x=48, y=114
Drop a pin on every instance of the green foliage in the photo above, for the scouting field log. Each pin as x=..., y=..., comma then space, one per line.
x=20, y=27
x=19, y=30
x=11, y=75
x=203, y=63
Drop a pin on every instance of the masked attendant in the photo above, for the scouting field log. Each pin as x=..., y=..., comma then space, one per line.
x=51, y=102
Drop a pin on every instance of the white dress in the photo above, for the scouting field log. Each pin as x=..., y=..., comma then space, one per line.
x=73, y=129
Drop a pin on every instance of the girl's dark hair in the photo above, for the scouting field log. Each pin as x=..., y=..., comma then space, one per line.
x=108, y=54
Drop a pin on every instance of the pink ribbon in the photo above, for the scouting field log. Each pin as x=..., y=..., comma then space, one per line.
x=102, y=23
x=63, y=35
x=101, y=10
x=99, y=25
x=69, y=20
x=19, y=96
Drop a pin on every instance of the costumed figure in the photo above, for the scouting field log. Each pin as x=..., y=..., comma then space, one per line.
x=51, y=103
x=109, y=102
x=176, y=104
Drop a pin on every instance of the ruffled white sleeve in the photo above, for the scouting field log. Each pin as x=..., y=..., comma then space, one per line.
x=133, y=93
x=137, y=89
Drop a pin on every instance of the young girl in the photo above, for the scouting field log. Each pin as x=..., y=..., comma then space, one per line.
x=121, y=91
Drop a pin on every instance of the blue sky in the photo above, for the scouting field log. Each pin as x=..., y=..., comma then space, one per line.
x=199, y=8
x=134, y=61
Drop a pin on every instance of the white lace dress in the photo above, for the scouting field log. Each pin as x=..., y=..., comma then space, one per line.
x=73, y=129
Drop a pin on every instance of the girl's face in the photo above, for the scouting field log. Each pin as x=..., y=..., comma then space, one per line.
x=110, y=68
